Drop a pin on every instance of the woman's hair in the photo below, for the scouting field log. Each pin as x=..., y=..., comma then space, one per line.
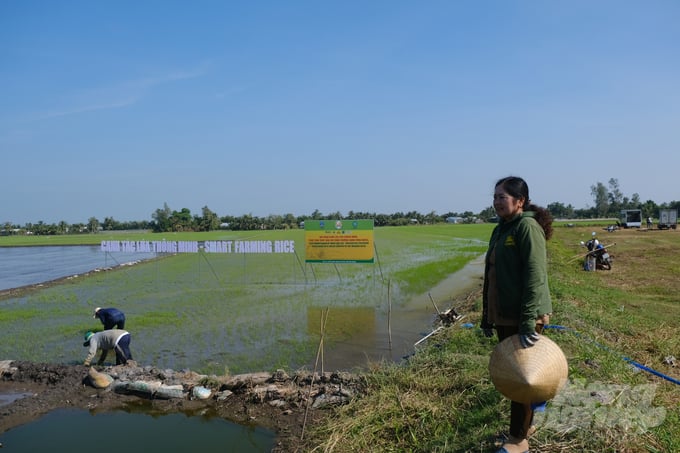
x=516, y=187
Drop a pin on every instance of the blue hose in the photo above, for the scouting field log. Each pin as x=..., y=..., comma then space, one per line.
x=631, y=361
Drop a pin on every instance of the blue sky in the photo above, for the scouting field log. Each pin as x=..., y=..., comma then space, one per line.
x=111, y=109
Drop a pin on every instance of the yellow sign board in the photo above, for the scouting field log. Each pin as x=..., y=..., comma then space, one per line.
x=339, y=241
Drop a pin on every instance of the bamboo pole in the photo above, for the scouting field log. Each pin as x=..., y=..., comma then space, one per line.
x=319, y=352
x=590, y=252
x=435, y=305
x=389, y=313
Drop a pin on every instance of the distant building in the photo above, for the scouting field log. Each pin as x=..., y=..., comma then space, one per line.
x=454, y=219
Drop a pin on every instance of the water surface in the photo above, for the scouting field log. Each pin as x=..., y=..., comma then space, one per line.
x=21, y=266
x=119, y=431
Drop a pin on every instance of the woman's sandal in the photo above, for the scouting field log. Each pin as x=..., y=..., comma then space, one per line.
x=503, y=450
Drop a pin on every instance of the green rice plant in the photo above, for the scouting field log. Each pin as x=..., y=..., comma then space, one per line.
x=157, y=319
x=23, y=314
x=419, y=279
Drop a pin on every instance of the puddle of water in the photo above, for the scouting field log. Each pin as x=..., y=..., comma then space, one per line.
x=9, y=398
x=113, y=432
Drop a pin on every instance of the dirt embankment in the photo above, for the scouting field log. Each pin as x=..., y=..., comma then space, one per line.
x=285, y=404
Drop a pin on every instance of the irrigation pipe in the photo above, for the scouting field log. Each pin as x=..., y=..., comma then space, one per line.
x=627, y=359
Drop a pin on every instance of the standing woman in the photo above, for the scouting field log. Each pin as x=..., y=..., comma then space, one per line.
x=516, y=297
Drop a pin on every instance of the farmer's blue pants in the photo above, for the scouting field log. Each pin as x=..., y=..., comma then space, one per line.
x=123, y=353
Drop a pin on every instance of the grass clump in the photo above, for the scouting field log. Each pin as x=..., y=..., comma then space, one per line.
x=440, y=399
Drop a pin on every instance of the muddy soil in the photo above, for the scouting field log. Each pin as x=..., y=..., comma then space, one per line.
x=274, y=401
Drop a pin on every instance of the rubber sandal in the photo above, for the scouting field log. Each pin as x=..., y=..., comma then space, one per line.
x=503, y=450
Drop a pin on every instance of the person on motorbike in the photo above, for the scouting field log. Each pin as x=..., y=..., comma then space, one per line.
x=598, y=257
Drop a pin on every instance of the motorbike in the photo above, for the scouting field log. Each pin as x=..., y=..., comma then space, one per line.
x=597, y=257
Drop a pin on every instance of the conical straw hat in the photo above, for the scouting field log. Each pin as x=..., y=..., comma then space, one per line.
x=528, y=375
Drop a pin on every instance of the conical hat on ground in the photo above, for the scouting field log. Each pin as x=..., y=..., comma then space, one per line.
x=528, y=375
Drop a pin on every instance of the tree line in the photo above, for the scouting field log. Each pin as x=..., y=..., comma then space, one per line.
x=608, y=200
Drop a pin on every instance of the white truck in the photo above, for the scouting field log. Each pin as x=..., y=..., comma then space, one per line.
x=631, y=218
x=668, y=218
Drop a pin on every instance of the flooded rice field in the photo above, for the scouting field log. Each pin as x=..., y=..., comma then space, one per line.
x=224, y=314
x=220, y=316
x=22, y=266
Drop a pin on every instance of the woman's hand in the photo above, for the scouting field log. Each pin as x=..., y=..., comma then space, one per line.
x=529, y=340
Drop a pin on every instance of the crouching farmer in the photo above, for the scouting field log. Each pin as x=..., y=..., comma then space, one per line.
x=110, y=317
x=116, y=339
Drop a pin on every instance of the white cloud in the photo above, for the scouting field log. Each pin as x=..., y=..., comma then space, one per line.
x=119, y=95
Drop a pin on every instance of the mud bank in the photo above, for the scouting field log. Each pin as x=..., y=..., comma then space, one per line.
x=277, y=401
